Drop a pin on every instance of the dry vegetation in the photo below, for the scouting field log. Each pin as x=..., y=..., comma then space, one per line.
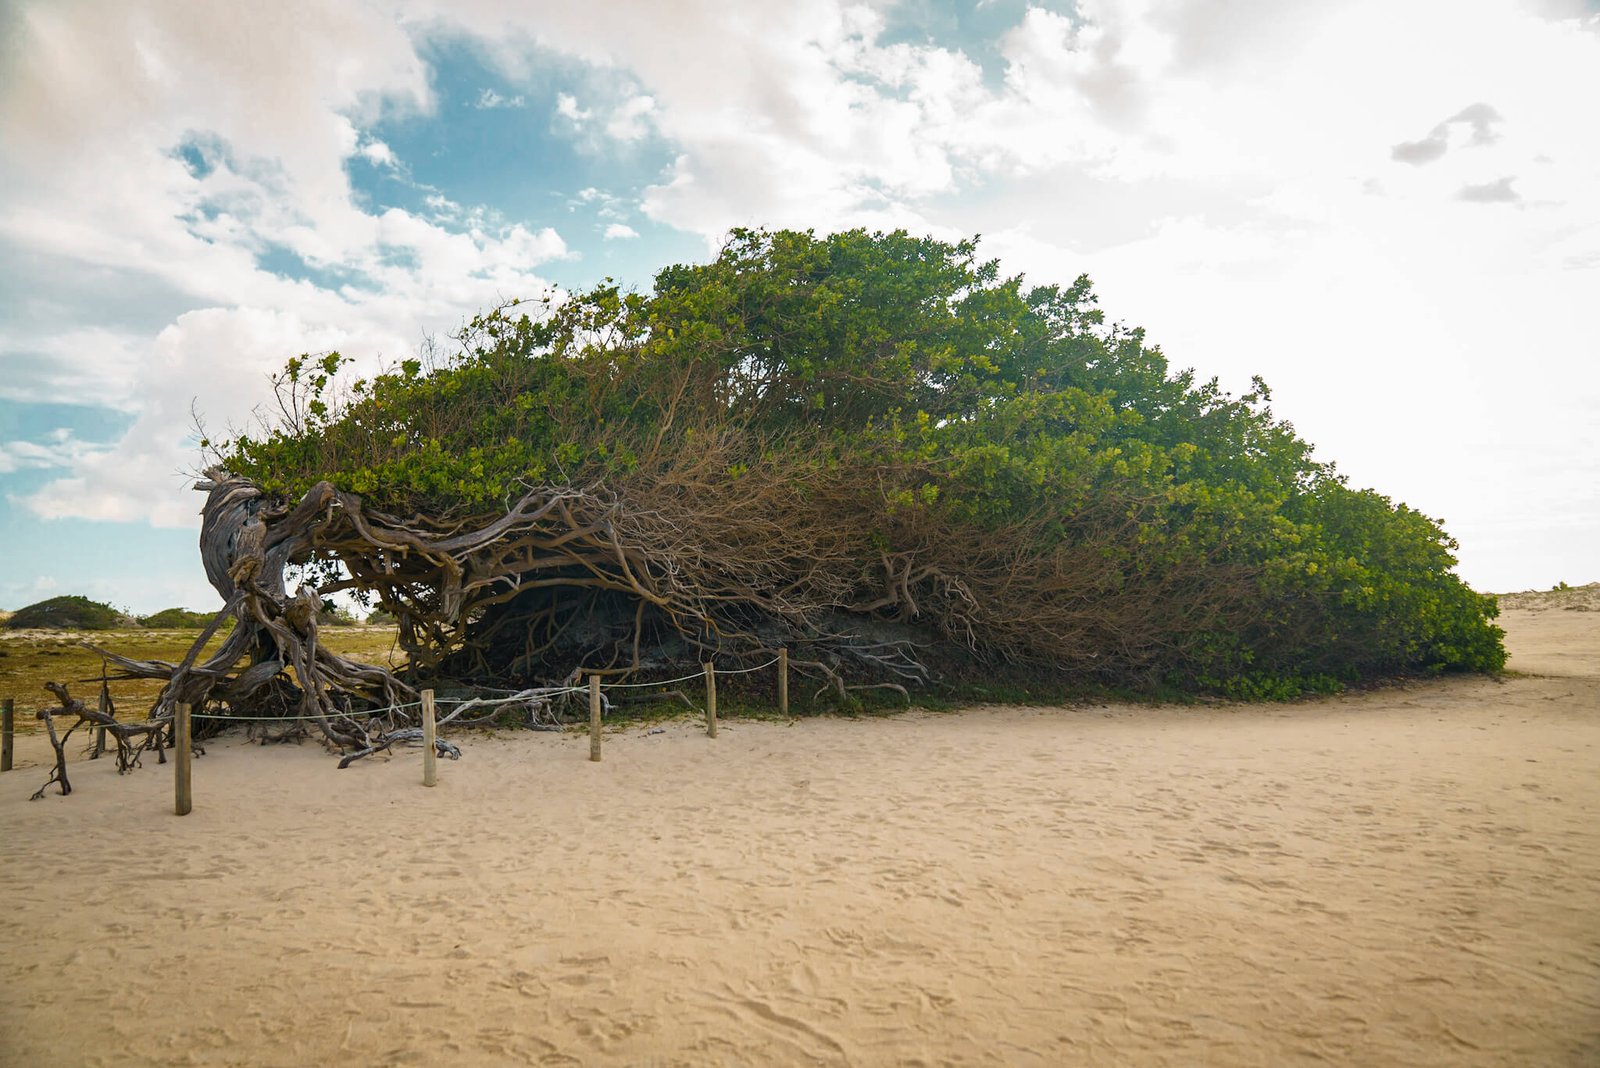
x=1566, y=598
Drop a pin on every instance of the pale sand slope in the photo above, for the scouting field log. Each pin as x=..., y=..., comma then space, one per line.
x=1409, y=877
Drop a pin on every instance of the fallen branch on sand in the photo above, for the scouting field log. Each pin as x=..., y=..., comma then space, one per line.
x=405, y=734
x=132, y=738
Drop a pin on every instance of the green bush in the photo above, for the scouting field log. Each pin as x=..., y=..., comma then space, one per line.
x=66, y=613
x=334, y=615
x=177, y=619
x=1074, y=507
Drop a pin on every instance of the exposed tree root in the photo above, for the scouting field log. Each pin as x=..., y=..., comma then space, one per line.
x=674, y=567
x=565, y=583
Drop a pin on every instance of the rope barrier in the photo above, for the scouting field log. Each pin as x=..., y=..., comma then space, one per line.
x=382, y=711
x=284, y=719
x=647, y=685
x=463, y=703
x=687, y=678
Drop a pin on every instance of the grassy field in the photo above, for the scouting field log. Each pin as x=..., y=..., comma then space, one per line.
x=31, y=658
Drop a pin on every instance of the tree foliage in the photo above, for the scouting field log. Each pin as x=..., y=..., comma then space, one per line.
x=176, y=619
x=66, y=613
x=859, y=443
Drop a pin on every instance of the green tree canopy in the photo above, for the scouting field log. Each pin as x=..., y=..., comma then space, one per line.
x=857, y=443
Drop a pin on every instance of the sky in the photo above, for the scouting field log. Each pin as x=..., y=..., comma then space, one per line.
x=1388, y=209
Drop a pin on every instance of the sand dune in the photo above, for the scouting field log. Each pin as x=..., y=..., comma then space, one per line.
x=1410, y=876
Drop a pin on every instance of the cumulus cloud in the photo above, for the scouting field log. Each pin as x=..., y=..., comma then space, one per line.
x=1208, y=164
x=611, y=120
x=378, y=154
x=195, y=155
x=1482, y=120
x=620, y=232
x=1430, y=148
x=88, y=365
x=60, y=448
x=489, y=99
x=1478, y=120
x=567, y=107
x=630, y=121
x=806, y=116
x=604, y=204
x=1496, y=192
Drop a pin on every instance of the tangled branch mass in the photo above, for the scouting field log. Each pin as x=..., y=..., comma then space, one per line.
x=872, y=449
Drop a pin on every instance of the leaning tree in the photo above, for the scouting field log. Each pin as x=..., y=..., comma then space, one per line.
x=871, y=449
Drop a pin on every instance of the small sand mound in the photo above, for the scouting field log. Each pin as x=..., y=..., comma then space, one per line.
x=1569, y=598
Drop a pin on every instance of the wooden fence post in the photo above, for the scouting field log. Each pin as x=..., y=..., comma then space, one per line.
x=105, y=710
x=430, y=754
x=711, y=699
x=783, y=682
x=7, y=727
x=594, y=717
x=180, y=773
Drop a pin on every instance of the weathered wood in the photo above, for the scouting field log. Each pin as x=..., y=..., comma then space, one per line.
x=58, y=774
x=594, y=717
x=388, y=741
x=711, y=699
x=8, y=728
x=146, y=734
x=783, y=681
x=106, y=710
x=183, y=786
x=430, y=757
x=132, y=738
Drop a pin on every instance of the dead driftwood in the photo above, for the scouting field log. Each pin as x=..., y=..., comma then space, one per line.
x=405, y=734
x=132, y=739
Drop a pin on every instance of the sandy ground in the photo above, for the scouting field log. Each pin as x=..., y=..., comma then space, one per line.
x=1407, y=877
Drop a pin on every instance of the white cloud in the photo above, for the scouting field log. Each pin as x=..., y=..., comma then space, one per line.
x=605, y=205
x=59, y=449
x=378, y=153
x=617, y=120
x=567, y=107
x=489, y=99
x=145, y=476
x=1380, y=207
x=620, y=232
x=193, y=153
x=88, y=365
x=629, y=122
x=1499, y=191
